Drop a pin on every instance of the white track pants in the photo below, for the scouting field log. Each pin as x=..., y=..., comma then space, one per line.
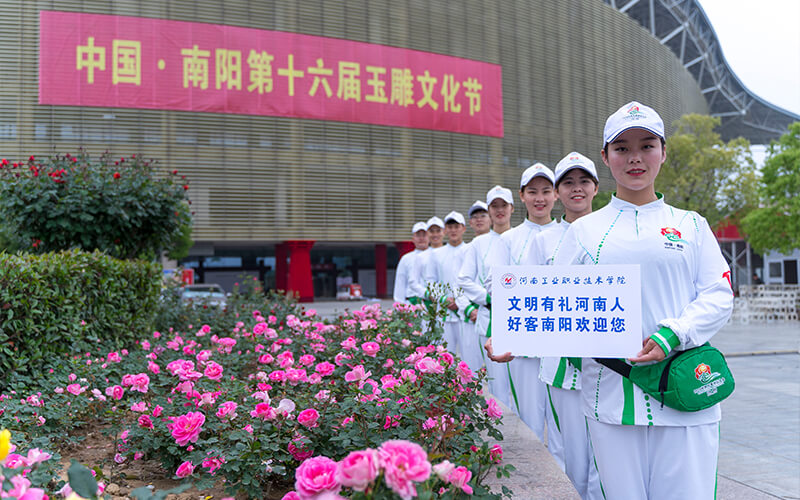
x=452, y=337
x=656, y=462
x=471, y=346
x=567, y=436
x=530, y=391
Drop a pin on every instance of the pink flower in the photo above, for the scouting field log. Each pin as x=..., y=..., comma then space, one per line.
x=227, y=410
x=459, y=477
x=139, y=407
x=140, y=382
x=325, y=368
x=157, y=411
x=213, y=463
x=277, y=376
x=307, y=359
x=403, y=463
x=493, y=409
x=357, y=374
x=185, y=469
x=428, y=365
x=265, y=411
x=186, y=428
x=114, y=357
x=153, y=368
x=292, y=495
x=464, y=373
x=443, y=469
x=315, y=476
x=370, y=348
x=75, y=389
x=35, y=456
x=115, y=392
x=145, y=422
x=350, y=343
x=496, y=453
x=213, y=371
x=266, y=359
x=446, y=358
x=298, y=450
x=204, y=330
x=308, y=418
x=358, y=469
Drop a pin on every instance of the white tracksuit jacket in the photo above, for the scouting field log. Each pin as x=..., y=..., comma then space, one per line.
x=401, y=276
x=442, y=267
x=685, y=288
x=557, y=372
x=481, y=254
x=416, y=278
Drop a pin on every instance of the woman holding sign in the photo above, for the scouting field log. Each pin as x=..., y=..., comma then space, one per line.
x=643, y=449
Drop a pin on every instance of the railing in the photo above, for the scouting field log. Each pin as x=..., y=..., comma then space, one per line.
x=767, y=303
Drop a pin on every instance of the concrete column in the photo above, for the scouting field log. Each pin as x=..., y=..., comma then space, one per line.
x=300, y=282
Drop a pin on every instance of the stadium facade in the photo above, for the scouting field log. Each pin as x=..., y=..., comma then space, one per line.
x=299, y=199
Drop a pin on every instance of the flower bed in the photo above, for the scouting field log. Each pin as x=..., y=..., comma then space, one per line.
x=282, y=402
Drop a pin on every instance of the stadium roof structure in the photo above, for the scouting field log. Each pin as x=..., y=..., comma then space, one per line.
x=683, y=26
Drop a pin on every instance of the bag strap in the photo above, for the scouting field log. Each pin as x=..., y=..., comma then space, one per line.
x=617, y=365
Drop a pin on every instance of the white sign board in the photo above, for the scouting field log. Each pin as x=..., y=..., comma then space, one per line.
x=580, y=311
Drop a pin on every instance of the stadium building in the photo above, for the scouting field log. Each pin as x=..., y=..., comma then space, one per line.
x=314, y=133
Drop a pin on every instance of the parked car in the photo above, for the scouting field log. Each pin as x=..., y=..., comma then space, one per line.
x=204, y=294
x=349, y=292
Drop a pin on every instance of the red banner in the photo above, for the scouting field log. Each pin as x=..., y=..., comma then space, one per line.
x=134, y=62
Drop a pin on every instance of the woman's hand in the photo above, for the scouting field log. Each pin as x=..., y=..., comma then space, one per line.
x=650, y=352
x=502, y=358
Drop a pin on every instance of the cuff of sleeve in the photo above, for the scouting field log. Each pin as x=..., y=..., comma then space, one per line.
x=666, y=339
x=468, y=311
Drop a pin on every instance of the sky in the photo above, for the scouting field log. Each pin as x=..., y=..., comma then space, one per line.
x=760, y=39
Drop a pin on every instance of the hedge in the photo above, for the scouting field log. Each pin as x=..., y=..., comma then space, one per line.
x=52, y=302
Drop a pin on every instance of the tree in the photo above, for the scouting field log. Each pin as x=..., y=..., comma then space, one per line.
x=705, y=174
x=126, y=208
x=775, y=225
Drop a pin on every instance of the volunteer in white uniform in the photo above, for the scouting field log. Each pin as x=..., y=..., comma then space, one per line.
x=471, y=344
x=482, y=253
x=402, y=289
x=443, y=266
x=416, y=279
x=642, y=449
x=537, y=192
x=567, y=438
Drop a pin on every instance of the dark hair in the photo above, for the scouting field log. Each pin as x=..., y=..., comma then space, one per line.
x=582, y=170
x=663, y=145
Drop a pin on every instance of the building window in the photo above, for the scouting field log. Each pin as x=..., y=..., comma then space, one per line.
x=775, y=269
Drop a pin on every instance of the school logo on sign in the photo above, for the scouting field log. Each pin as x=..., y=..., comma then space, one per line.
x=671, y=233
x=508, y=280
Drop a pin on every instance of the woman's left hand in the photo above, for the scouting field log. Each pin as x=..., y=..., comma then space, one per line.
x=650, y=352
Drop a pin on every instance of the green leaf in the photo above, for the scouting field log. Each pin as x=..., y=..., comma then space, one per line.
x=81, y=480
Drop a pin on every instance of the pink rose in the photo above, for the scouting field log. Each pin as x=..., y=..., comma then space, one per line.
x=308, y=418
x=265, y=359
x=185, y=469
x=140, y=382
x=186, y=428
x=299, y=450
x=139, y=407
x=493, y=409
x=370, y=348
x=446, y=358
x=459, y=477
x=307, y=359
x=428, y=365
x=443, y=469
x=227, y=410
x=145, y=422
x=265, y=411
x=464, y=373
x=292, y=495
x=357, y=374
x=325, y=368
x=277, y=376
x=496, y=453
x=153, y=368
x=315, y=476
x=213, y=371
x=213, y=463
x=403, y=463
x=75, y=389
x=358, y=469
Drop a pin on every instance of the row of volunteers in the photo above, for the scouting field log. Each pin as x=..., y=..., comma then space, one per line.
x=611, y=438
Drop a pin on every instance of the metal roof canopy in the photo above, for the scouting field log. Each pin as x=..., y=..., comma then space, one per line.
x=683, y=26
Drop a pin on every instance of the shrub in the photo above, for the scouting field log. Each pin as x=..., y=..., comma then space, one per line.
x=124, y=207
x=51, y=302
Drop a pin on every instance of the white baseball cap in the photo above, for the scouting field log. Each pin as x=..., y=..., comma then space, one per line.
x=536, y=170
x=499, y=192
x=455, y=216
x=478, y=205
x=419, y=226
x=575, y=160
x=434, y=221
x=632, y=115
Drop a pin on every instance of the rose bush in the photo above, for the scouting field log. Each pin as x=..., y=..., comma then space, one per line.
x=280, y=393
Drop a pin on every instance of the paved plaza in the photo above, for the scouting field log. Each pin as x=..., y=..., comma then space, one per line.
x=760, y=429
